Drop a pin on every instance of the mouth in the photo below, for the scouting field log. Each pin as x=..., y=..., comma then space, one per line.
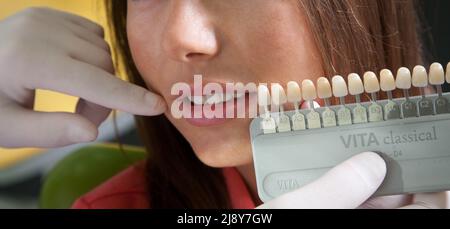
x=213, y=102
x=215, y=99
x=217, y=109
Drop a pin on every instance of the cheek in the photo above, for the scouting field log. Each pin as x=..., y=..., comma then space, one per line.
x=282, y=45
x=144, y=47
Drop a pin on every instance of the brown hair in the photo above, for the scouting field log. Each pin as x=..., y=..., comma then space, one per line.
x=352, y=36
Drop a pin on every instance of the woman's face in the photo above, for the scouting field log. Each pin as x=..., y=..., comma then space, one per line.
x=248, y=41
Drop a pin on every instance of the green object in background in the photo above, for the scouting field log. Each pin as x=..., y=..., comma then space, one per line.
x=83, y=170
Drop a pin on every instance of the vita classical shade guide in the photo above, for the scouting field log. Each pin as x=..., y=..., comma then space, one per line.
x=411, y=133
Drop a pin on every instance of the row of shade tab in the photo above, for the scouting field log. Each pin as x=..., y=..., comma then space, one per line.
x=420, y=77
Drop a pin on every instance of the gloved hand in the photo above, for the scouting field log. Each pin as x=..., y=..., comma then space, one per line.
x=350, y=185
x=42, y=48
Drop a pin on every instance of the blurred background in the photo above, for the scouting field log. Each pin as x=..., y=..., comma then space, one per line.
x=22, y=171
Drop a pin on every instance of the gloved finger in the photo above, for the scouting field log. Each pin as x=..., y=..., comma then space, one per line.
x=387, y=202
x=347, y=185
x=429, y=201
x=21, y=127
x=98, y=86
x=93, y=112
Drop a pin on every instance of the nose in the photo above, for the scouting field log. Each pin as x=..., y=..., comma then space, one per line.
x=189, y=36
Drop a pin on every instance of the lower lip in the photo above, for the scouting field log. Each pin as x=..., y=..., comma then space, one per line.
x=205, y=122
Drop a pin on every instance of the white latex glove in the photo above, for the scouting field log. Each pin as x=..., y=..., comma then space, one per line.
x=42, y=48
x=350, y=185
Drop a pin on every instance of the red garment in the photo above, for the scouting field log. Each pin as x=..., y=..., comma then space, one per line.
x=128, y=190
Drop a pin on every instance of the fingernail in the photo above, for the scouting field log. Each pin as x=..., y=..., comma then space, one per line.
x=156, y=104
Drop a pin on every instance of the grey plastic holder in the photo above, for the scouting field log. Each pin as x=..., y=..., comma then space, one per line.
x=416, y=150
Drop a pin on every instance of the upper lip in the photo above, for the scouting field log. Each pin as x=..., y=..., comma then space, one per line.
x=223, y=85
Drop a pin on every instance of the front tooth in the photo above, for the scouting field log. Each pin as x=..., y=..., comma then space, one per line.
x=447, y=76
x=436, y=74
x=419, y=77
x=387, y=81
x=324, y=88
x=339, y=86
x=371, y=83
x=198, y=100
x=263, y=96
x=215, y=99
x=403, y=80
x=278, y=95
x=355, y=84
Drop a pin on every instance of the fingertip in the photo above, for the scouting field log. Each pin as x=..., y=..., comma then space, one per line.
x=373, y=164
x=156, y=104
x=378, y=161
x=83, y=132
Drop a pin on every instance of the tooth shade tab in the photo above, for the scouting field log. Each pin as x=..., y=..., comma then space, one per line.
x=387, y=80
x=263, y=96
x=355, y=84
x=339, y=86
x=436, y=74
x=403, y=80
x=294, y=94
x=278, y=95
x=324, y=88
x=371, y=83
x=447, y=75
x=419, y=77
x=309, y=90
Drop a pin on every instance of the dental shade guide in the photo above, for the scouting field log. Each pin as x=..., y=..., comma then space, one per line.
x=410, y=132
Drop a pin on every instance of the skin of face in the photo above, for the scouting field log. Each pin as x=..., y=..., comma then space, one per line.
x=259, y=41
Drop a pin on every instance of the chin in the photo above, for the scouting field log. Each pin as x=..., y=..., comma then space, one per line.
x=228, y=146
x=221, y=156
x=219, y=146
